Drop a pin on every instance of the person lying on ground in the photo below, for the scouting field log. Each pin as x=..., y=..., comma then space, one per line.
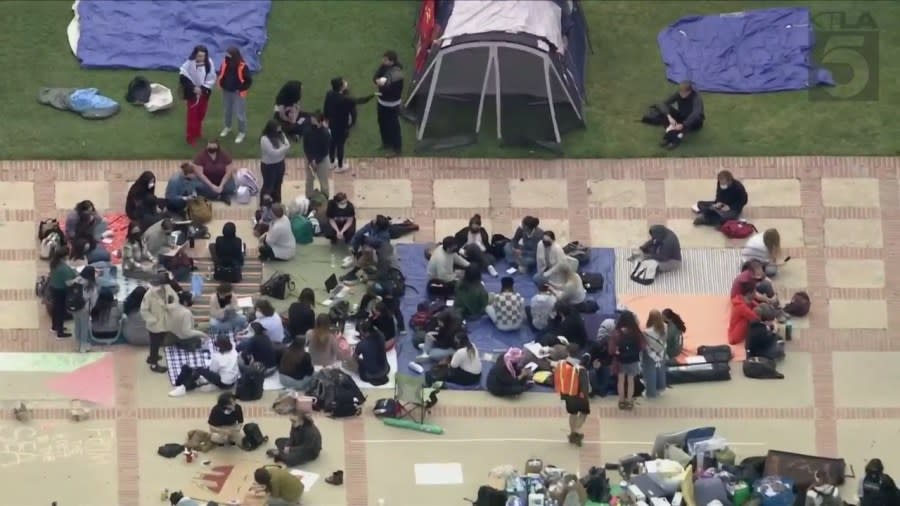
x=762, y=340
x=295, y=370
x=731, y=198
x=322, y=342
x=549, y=255
x=279, y=242
x=521, y=250
x=214, y=168
x=684, y=110
x=221, y=373
x=540, y=310
x=226, y=419
x=182, y=187
x=471, y=298
x=742, y=313
x=506, y=377
x=663, y=247
x=764, y=247
x=280, y=486
x=225, y=316
x=303, y=444
x=473, y=243
x=507, y=308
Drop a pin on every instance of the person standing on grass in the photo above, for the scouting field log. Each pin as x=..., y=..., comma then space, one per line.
x=340, y=111
x=197, y=76
x=235, y=80
x=316, y=140
x=389, y=83
x=273, y=146
x=573, y=384
x=287, y=108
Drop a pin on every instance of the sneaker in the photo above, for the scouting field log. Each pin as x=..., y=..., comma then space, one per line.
x=421, y=346
x=695, y=209
x=62, y=334
x=179, y=391
x=207, y=388
x=240, y=138
x=348, y=262
x=417, y=368
x=225, y=131
x=336, y=478
x=492, y=271
x=340, y=170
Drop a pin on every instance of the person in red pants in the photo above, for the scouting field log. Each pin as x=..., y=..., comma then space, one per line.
x=197, y=76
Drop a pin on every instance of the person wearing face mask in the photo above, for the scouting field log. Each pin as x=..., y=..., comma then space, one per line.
x=316, y=139
x=197, y=77
x=473, y=243
x=235, y=80
x=213, y=167
x=274, y=146
x=549, y=256
x=224, y=314
x=182, y=187
x=141, y=205
x=521, y=251
x=442, y=267
x=85, y=221
x=225, y=420
x=341, y=220
x=731, y=198
x=340, y=111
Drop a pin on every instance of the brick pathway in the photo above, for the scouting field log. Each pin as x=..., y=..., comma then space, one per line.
x=844, y=213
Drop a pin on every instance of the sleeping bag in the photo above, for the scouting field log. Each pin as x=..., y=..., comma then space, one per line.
x=86, y=102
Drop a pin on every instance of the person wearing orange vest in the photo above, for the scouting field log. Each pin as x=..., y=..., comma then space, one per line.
x=573, y=385
x=235, y=80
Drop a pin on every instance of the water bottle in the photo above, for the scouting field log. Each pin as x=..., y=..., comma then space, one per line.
x=788, y=330
x=333, y=261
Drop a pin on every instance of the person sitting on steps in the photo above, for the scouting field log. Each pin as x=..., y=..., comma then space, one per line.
x=225, y=316
x=731, y=198
x=278, y=243
x=214, y=168
x=227, y=254
x=182, y=187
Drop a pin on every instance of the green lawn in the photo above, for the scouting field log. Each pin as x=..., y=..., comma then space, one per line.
x=316, y=40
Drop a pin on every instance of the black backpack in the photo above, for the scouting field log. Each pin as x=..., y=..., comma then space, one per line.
x=170, y=450
x=253, y=437
x=579, y=252
x=393, y=282
x=138, y=91
x=655, y=116
x=761, y=368
x=498, y=245
x=229, y=273
x=75, y=298
x=278, y=286
x=592, y=281
x=596, y=485
x=249, y=386
x=881, y=492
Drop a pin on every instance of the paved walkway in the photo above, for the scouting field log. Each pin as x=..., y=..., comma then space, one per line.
x=839, y=219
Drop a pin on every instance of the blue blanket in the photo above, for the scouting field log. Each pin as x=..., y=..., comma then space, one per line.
x=743, y=52
x=159, y=35
x=482, y=332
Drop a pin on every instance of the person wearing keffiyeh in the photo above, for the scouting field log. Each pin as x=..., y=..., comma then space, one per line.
x=197, y=77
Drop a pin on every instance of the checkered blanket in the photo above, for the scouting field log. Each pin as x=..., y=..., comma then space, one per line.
x=176, y=358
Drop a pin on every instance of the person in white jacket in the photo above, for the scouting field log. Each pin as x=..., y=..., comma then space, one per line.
x=197, y=76
x=550, y=256
x=221, y=373
x=155, y=312
x=278, y=243
x=442, y=266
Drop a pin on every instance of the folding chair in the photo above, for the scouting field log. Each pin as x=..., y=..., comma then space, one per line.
x=409, y=394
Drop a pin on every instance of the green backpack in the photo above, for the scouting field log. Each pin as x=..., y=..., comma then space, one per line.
x=303, y=229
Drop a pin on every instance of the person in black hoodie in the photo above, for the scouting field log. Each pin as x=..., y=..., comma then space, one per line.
x=258, y=349
x=316, y=140
x=302, y=314
x=686, y=116
x=227, y=254
x=389, y=82
x=287, y=109
x=141, y=205
x=761, y=340
x=197, y=77
x=731, y=198
x=473, y=242
x=340, y=111
x=235, y=80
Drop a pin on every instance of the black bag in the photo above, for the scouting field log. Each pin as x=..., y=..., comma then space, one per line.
x=761, y=368
x=278, y=286
x=716, y=354
x=170, y=450
x=339, y=313
x=799, y=305
x=386, y=408
x=698, y=373
x=579, y=252
x=253, y=437
x=345, y=404
x=881, y=492
x=588, y=306
x=439, y=289
x=592, y=281
x=655, y=116
x=138, y=91
x=489, y=496
x=393, y=283
x=596, y=485
x=331, y=388
x=75, y=298
x=229, y=273
x=498, y=245
x=249, y=386
x=398, y=230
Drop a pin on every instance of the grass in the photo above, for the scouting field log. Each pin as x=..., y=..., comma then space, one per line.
x=316, y=40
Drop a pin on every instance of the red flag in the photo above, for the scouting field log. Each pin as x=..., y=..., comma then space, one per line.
x=425, y=30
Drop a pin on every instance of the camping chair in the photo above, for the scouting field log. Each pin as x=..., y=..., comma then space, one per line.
x=409, y=394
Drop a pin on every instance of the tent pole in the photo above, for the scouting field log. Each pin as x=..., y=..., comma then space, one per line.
x=434, y=80
x=550, y=99
x=487, y=76
x=496, y=57
x=566, y=91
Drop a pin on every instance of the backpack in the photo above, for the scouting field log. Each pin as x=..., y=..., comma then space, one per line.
x=332, y=389
x=244, y=177
x=597, y=485
x=138, y=91
x=629, y=351
x=278, y=286
x=200, y=211
x=302, y=229
x=774, y=491
x=253, y=437
x=229, y=273
x=75, y=298
x=489, y=496
x=578, y=251
x=592, y=281
x=799, y=305
x=199, y=440
x=498, y=246
x=393, y=283
x=170, y=450
x=386, y=408
x=737, y=229
x=881, y=492
x=42, y=288
x=249, y=386
x=761, y=368
x=644, y=272
x=716, y=354
x=51, y=236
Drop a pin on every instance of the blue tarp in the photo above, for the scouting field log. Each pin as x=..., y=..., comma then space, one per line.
x=743, y=52
x=483, y=334
x=159, y=35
